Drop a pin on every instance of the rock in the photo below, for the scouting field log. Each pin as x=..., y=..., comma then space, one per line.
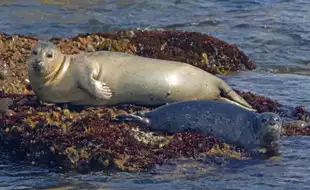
x=68, y=137
x=296, y=124
x=4, y=71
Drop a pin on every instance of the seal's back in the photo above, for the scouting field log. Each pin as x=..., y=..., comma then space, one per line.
x=215, y=118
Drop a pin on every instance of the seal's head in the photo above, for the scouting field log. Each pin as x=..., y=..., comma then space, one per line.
x=268, y=129
x=45, y=59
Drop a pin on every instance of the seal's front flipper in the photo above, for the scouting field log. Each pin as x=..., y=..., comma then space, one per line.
x=96, y=88
x=229, y=93
x=100, y=89
x=132, y=117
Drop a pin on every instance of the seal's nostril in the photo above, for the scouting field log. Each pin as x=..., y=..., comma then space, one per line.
x=37, y=64
x=272, y=123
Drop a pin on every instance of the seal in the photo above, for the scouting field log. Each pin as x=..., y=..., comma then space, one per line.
x=231, y=123
x=111, y=78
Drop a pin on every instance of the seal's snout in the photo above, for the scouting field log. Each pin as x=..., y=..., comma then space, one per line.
x=273, y=129
x=273, y=133
x=270, y=138
x=37, y=64
x=275, y=121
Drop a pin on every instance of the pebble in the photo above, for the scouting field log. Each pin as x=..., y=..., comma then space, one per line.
x=90, y=48
x=3, y=71
x=127, y=33
x=10, y=113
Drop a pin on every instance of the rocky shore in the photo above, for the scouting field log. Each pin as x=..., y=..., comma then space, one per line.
x=85, y=138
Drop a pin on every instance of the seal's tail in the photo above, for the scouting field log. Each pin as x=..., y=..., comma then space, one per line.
x=229, y=93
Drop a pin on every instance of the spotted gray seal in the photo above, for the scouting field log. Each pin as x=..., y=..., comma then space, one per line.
x=111, y=78
x=231, y=123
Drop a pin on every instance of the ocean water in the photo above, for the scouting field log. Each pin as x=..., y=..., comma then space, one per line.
x=274, y=33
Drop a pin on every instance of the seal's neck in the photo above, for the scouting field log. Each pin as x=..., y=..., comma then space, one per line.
x=58, y=72
x=249, y=138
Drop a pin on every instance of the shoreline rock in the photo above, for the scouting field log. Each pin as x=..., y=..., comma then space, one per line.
x=84, y=138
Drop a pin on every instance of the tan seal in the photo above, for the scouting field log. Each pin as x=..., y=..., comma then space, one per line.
x=111, y=78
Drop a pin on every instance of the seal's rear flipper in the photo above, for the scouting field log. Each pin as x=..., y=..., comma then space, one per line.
x=133, y=118
x=233, y=97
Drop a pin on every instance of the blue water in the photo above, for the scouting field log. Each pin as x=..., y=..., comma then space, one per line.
x=274, y=33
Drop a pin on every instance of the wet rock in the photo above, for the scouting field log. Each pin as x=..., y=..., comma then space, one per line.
x=126, y=34
x=301, y=113
x=201, y=50
x=260, y=103
x=86, y=138
x=192, y=48
x=296, y=124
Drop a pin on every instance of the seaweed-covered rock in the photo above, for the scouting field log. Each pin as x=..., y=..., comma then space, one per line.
x=85, y=137
x=201, y=50
x=82, y=139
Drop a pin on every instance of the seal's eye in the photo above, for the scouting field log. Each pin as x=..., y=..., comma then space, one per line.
x=49, y=54
x=276, y=119
x=34, y=52
x=264, y=120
